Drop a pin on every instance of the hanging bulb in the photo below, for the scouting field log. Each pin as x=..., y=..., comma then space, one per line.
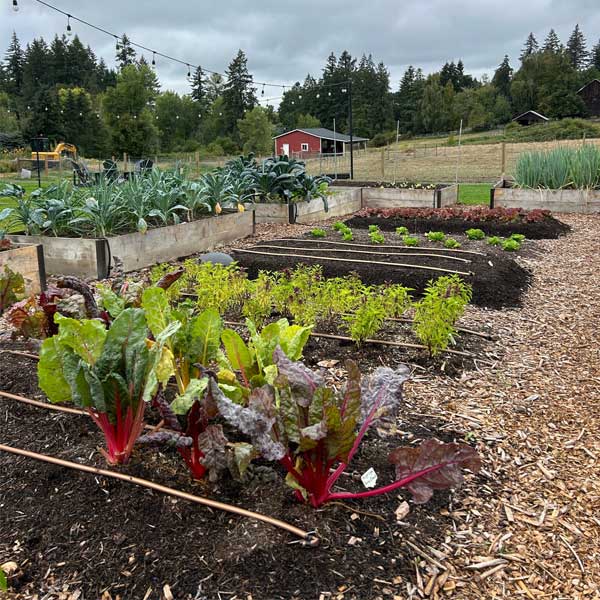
x=69, y=30
x=318, y=95
x=177, y=116
x=15, y=6
x=263, y=90
x=117, y=45
x=300, y=97
x=292, y=102
x=153, y=60
x=344, y=90
x=80, y=114
x=199, y=116
x=329, y=93
x=189, y=72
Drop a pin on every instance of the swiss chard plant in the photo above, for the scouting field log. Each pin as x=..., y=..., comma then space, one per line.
x=314, y=432
x=110, y=373
x=12, y=288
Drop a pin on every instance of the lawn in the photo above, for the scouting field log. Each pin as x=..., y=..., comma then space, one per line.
x=474, y=193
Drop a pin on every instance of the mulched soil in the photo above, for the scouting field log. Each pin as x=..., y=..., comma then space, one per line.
x=384, y=184
x=497, y=279
x=526, y=527
x=549, y=228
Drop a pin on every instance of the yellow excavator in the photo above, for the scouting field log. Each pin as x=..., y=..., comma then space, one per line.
x=70, y=150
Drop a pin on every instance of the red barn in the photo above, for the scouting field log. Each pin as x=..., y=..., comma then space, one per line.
x=318, y=140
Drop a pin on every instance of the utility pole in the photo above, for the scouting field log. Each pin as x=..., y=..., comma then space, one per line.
x=350, y=129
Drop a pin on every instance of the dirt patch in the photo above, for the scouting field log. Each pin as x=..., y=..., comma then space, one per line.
x=497, y=279
x=547, y=228
x=70, y=531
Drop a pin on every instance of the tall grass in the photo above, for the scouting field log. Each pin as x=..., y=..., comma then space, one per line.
x=560, y=168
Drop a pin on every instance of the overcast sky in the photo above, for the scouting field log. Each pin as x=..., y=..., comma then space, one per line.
x=286, y=40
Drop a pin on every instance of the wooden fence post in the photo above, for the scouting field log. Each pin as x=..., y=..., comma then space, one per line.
x=382, y=163
x=503, y=169
x=46, y=166
x=125, y=162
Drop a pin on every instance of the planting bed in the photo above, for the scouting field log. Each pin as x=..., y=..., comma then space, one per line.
x=82, y=532
x=535, y=224
x=501, y=283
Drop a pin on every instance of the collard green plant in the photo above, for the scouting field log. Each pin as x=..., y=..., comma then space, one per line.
x=443, y=303
x=111, y=373
x=314, y=431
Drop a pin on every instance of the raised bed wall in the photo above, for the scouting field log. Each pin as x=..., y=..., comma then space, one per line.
x=567, y=201
x=92, y=257
x=28, y=260
x=374, y=197
x=343, y=202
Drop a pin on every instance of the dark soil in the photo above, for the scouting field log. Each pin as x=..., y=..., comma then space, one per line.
x=496, y=285
x=71, y=531
x=549, y=228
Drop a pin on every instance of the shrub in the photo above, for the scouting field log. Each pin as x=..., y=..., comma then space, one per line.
x=475, y=234
x=443, y=303
x=451, y=243
x=511, y=245
x=409, y=240
x=435, y=236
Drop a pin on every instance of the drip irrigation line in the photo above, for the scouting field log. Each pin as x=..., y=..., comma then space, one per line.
x=414, y=254
x=47, y=405
x=308, y=538
x=487, y=336
x=357, y=260
x=413, y=248
x=20, y=353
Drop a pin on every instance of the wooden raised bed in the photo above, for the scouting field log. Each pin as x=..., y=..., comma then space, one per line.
x=584, y=201
x=379, y=197
x=92, y=257
x=341, y=202
x=27, y=259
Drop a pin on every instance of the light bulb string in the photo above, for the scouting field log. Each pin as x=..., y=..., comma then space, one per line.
x=164, y=55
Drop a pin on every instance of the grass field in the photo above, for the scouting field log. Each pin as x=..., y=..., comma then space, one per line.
x=474, y=193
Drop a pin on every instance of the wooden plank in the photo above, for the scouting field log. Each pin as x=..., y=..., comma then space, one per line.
x=28, y=260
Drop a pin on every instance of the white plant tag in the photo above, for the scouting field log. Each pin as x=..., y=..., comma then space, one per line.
x=369, y=478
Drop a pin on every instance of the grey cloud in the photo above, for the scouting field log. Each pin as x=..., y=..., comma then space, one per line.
x=286, y=40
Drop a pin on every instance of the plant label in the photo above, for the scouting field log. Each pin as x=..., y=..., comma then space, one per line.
x=369, y=478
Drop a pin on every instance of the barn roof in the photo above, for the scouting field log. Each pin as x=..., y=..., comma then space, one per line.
x=588, y=84
x=325, y=134
x=531, y=112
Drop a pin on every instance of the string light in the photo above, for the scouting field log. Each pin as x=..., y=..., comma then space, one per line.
x=69, y=30
x=153, y=59
x=263, y=90
x=15, y=6
x=189, y=73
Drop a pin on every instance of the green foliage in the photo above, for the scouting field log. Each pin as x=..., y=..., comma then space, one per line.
x=451, y=243
x=401, y=231
x=376, y=237
x=256, y=131
x=347, y=236
x=494, y=240
x=442, y=305
x=318, y=232
x=111, y=373
x=409, y=240
x=12, y=288
x=3, y=581
x=511, y=245
x=562, y=167
x=435, y=236
x=475, y=234
x=519, y=237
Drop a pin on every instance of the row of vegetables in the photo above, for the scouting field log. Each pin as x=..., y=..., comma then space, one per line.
x=144, y=347
x=157, y=198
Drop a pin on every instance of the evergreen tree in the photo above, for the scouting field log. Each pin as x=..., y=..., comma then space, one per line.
x=552, y=43
x=125, y=55
x=214, y=87
x=595, y=57
x=502, y=77
x=531, y=47
x=13, y=68
x=198, y=85
x=238, y=93
x=576, y=49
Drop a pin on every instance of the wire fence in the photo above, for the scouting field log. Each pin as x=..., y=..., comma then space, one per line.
x=469, y=163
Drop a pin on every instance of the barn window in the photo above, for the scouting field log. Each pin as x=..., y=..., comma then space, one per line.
x=304, y=147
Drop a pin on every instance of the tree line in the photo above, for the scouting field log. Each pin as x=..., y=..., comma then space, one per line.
x=63, y=91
